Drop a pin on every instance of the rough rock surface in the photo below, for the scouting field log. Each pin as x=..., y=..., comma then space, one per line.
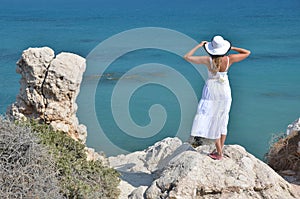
x=48, y=89
x=92, y=155
x=295, y=126
x=171, y=169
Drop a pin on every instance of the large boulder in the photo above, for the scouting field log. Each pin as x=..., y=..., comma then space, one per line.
x=138, y=169
x=184, y=172
x=48, y=90
x=149, y=160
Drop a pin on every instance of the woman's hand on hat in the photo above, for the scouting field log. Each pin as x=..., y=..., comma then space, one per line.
x=202, y=43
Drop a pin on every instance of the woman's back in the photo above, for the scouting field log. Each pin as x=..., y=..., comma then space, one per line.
x=216, y=72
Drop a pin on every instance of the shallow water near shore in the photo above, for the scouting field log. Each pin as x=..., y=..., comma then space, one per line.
x=265, y=87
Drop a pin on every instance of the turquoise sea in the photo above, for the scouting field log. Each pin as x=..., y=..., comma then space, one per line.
x=265, y=87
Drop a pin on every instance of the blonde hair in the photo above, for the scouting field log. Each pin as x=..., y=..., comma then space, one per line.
x=216, y=64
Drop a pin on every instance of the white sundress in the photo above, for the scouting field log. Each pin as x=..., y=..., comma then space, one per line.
x=212, y=115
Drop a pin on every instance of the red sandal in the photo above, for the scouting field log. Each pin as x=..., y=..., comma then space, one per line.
x=213, y=153
x=215, y=156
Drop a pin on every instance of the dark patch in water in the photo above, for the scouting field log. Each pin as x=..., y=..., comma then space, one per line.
x=262, y=16
x=8, y=57
x=88, y=40
x=275, y=56
x=281, y=95
x=107, y=76
x=30, y=19
x=113, y=76
x=272, y=94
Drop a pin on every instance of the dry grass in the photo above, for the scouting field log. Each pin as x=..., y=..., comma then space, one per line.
x=283, y=153
x=26, y=169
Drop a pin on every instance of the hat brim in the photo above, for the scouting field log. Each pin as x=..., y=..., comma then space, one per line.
x=217, y=51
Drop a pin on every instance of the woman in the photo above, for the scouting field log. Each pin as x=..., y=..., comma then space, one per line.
x=212, y=114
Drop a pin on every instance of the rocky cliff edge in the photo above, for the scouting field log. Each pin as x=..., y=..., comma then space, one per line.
x=172, y=169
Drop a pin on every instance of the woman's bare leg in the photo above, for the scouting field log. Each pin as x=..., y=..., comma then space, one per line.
x=218, y=146
x=223, y=138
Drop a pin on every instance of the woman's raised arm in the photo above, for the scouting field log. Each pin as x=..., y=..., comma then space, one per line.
x=196, y=59
x=242, y=54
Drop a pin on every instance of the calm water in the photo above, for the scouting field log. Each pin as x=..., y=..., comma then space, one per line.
x=265, y=87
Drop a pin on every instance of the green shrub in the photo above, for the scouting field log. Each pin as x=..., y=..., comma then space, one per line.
x=78, y=177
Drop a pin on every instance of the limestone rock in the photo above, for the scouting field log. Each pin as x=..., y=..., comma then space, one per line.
x=48, y=90
x=186, y=173
x=92, y=155
x=295, y=126
x=138, y=193
x=146, y=161
x=139, y=168
x=240, y=175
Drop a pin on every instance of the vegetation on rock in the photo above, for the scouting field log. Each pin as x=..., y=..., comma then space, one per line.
x=283, y=153
x=26, y=168
x=62, y=164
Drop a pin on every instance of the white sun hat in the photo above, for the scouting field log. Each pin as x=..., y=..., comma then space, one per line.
x=218, y=46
